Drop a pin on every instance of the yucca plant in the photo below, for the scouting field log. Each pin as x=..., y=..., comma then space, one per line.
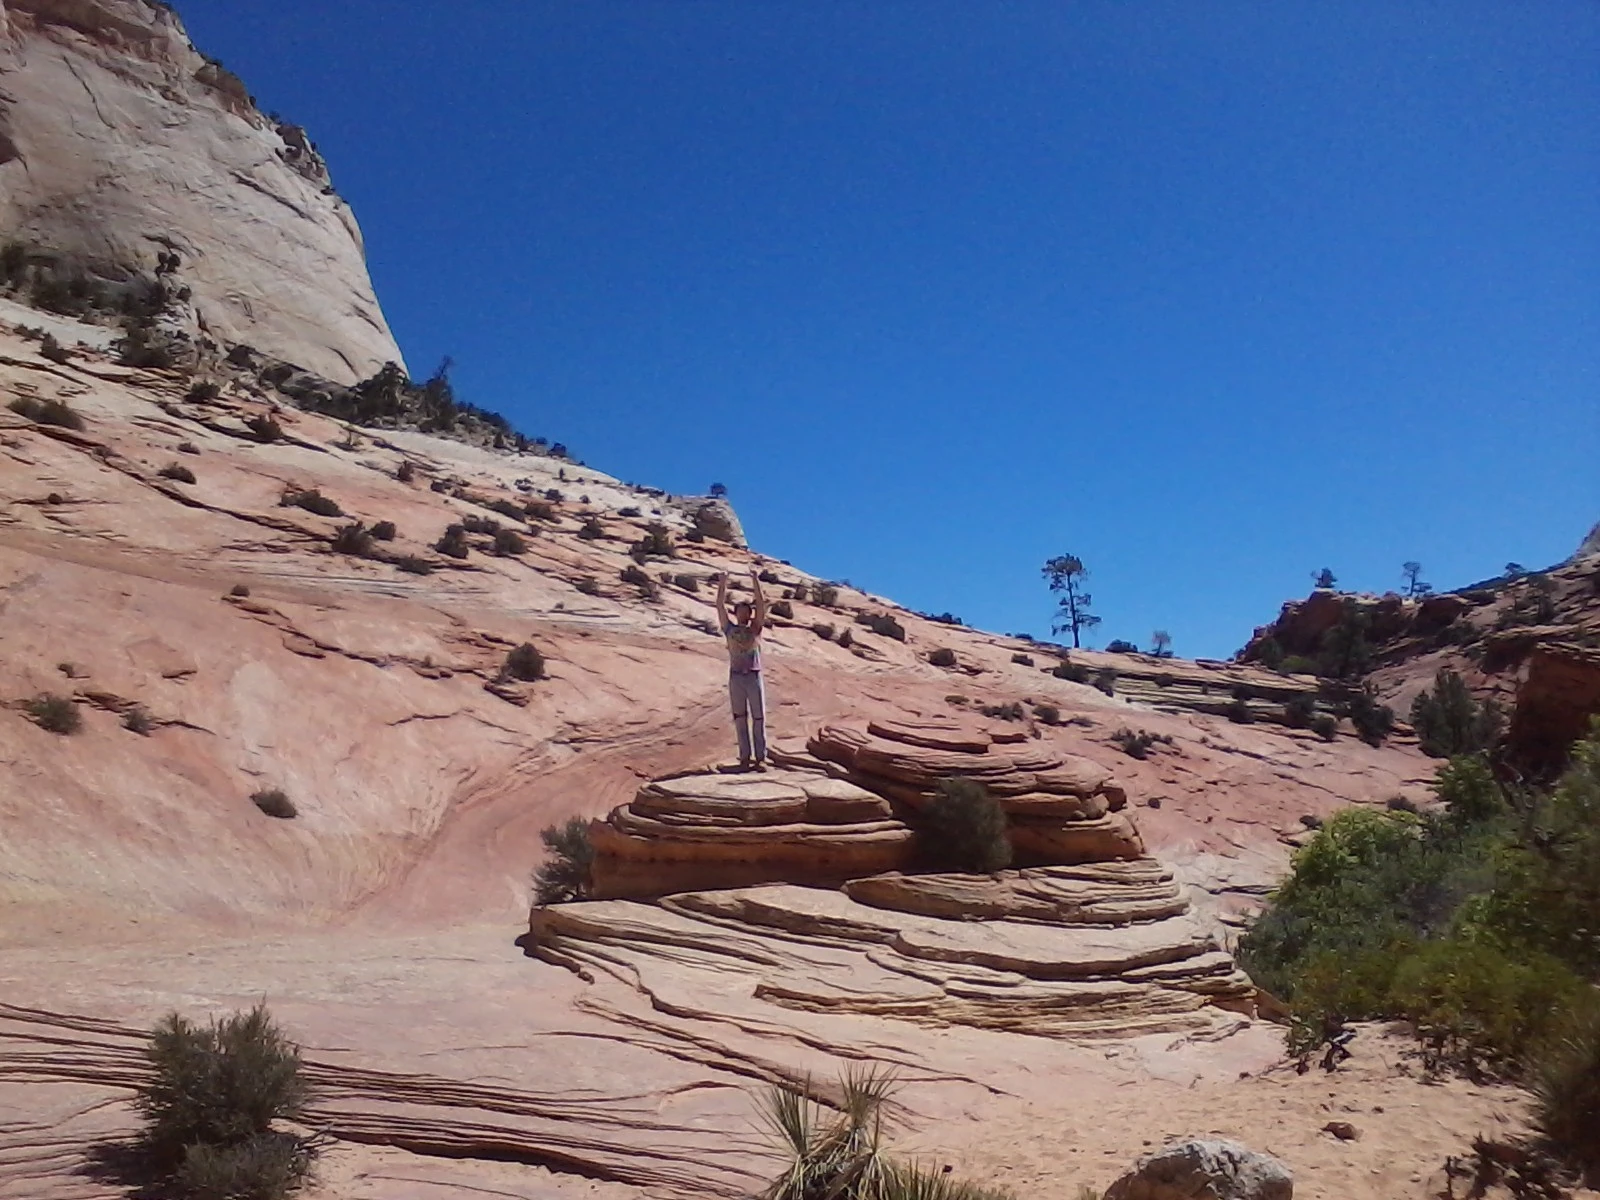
x=838, y=1153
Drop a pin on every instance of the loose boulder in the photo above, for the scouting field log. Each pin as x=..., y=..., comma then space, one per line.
x=1204, y=1169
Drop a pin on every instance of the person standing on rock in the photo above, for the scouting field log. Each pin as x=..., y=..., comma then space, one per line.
x=745, y=689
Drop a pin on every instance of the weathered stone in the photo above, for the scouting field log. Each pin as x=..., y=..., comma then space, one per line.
x=1205, y=1170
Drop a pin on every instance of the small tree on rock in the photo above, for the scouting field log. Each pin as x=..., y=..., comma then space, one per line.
x=564, y=875
x=1066, y=576
x=1324, y=578
x=1411, y=572
x=1161, y=644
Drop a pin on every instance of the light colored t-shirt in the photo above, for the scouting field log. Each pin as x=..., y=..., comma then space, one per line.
x=744, y=649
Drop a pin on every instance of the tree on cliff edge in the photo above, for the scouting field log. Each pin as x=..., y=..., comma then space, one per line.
x=1066, y=575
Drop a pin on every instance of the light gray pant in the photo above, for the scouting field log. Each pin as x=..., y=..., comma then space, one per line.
x=749, y=698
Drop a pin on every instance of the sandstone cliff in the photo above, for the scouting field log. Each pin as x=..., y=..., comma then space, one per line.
x=122, y=146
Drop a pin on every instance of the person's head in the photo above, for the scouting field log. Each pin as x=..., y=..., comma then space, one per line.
x=743, y=612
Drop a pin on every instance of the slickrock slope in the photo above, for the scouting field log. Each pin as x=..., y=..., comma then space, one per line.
x=136, y=874
x=121, y=144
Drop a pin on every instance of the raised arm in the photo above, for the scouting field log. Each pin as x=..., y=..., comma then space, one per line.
x=759, y=621
x=722, y=602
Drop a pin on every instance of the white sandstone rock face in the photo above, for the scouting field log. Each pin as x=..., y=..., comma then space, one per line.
x=120, y=142
x=1204, y=1169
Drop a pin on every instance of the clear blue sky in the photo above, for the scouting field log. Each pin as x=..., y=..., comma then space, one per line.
x=1208, y=295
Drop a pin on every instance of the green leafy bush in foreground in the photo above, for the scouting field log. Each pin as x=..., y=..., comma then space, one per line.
x=210, y=1102
x=1479, y=924
x=963, y=828
x=564, y=875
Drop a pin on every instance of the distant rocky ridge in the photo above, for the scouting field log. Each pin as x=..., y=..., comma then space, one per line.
x=129, y=160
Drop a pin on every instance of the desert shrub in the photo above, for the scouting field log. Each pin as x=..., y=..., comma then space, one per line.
x=569, y=858
x=406, y=471
x=239, y=589
x=799, y=593
x=439, y=485
x=137, y=720
x=824, y=595
x=835, y=1151
x=1567, y=1097
x=1118, y=646
x=588, y=585
x=267, y=1166
x=781, y=608
x=525, y=663
x=846, y=638
x=942, y=657
x=384, y=531
x=656, y=543
x=1106, y=681
x=1448, y=721
x=453, y=543
x=823, y=630
x=505, y=508
x=202, y=390
x=412, y=565
x=210, y=1100
x=47, y=412
x=354, y=539
x=188, y=448
x=1138, y=744
x=1325, y=727
x=884, y=625
x=963, y=828
x=1048, y=714
x=591, y=530
x=1239, y=712
x=473, y=523
x=508, y=543
x=264, y=428
x=58, y=714
x=1022, y=660
x=54, y=351
x=1298, y=664
x=1373, y=721
x=1003, y=712
x=769, y=577
x=690, y=583
x=275, y=803
x=540, y=510
x=312, y=500
x=635, y=575
x=630, y=511
x=553, y=495
x=1299, y=711
x=1164, y=680
x=177, y=472
x=1076, y=672
x=1269, y=653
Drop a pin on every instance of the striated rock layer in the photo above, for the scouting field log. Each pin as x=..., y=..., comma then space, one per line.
x=1099, y=941
x=121, y=144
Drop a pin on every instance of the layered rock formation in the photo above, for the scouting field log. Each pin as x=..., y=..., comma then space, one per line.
x=1092, y=939
x=125, y=153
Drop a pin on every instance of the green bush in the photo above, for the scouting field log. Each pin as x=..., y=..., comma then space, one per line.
x=1076, y=672
x=1373, y=721
x=47, y=412
x=274, y=802
x=412, y=565
x=1298, y=664
x=1105, y=681
x=218, y=1085
x=656, y=543
x=137, y=720
x=1003, y=712
x=963, y=828
x=1138, y=745
x=177, y=472
x=312, y=500
x=824, y=595
x=473, y=523
x=1239, y=712
x=942, y=657
x=846, y=638
x=635, y=575
x=588, y=585
x=591, y=530
x=1448, y=721
x=384, y=531
x=569, y=858
x=508, y=543
x=406, y=471
x=54, y=351
x=540, y=510
x=1325, y=726
x=1022, y=660
x=884, y=625
x=265, y=429
x=58, y=714
x=353, y=539
x=1300, y=711
x=525, y=663
x=268, y=1166
x=453, y=543
x=1048, y=714
x=1567, y=1097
